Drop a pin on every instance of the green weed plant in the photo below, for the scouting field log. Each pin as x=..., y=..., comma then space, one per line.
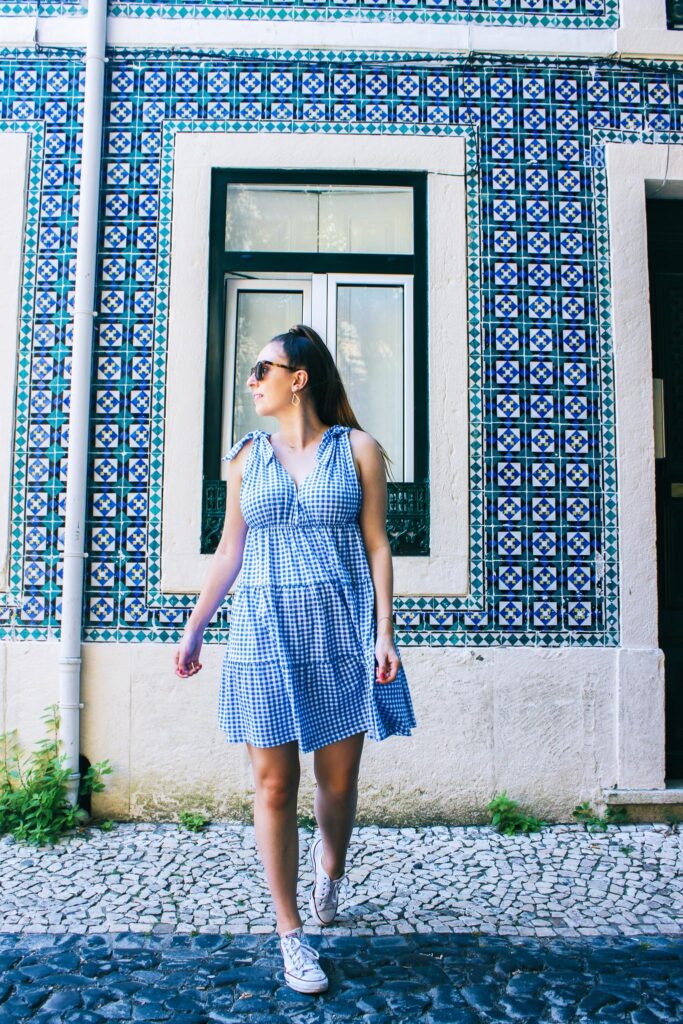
x=192, y=822
x=507, y=817
x=34, y=806
x=593, y=822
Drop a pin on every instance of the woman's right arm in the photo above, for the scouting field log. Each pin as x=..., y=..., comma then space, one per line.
x=223, y=571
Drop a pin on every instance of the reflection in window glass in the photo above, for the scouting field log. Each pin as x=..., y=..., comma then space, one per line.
x=360, y=220
x=267, y=219
x=260, y=316
x=329, y=219
x=370, y=361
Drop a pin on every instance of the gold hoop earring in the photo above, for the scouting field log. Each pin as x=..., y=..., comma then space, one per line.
x=295, y=399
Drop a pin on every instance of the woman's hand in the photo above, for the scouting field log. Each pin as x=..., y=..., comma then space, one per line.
x=187, y=656
x=388, y=661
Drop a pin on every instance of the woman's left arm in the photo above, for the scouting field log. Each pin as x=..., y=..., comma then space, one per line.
x=372, y=520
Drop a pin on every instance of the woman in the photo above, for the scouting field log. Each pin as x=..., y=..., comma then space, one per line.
x=310, y=660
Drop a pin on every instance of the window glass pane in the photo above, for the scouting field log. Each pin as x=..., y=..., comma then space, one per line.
x=359, y=220
x=260, y=316
x=326, y=218
x=270, y=220
x=370, y=361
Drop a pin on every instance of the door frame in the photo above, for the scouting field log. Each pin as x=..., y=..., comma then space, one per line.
x=636, y=171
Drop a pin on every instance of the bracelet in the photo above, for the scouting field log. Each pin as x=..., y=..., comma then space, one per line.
x=385, y=617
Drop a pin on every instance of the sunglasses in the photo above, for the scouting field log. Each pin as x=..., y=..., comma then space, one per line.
x=259, y=371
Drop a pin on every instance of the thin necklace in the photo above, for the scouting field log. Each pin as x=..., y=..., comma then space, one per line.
x=294, y=446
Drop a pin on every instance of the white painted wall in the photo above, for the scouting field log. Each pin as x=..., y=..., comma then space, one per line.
x=538, y=723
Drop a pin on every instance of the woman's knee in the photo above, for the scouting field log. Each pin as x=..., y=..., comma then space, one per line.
x=276, y=772
x=277, y=791
x=340, y=789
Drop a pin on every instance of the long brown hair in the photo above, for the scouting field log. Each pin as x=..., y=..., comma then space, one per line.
x=306, y=350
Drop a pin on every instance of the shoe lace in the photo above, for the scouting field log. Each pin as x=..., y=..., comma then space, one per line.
x=331, y=888
x=300, y=953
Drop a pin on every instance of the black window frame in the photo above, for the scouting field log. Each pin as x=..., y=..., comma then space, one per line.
x=674, y=14
x=408, y=513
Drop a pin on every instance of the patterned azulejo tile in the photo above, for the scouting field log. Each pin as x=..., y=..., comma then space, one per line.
x=543, y=543
x=551, y=13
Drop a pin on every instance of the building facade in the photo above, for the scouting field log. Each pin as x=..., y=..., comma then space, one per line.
x=477, y=204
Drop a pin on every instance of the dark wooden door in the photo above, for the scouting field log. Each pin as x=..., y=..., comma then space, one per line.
x=665, y=247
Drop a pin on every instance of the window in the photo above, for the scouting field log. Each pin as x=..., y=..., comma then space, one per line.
x=346, y=254
x=674, y=14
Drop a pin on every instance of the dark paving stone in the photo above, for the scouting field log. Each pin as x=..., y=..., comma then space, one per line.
x=480, y=997
x=83, y=1017
x=151, y=1011
x=94, y=996
x=121, y=986
x=371, y=1003
x=184, y=1002
x=457, y=1015
x=224, y=1018
x=30, y=996
x=60, y=1000
x=210, y=943
x=96, y=968
x=446, y=995
x=644, y=1016
x=524, y=985
x=523, y=1007
x=34, y=971
x=189, y=1018
x=261, y=986
x=244, y=974
x=121, y=1009
x=438, y=979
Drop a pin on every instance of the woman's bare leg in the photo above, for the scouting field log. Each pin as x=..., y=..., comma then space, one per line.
x=336, y=769
x=276, y=777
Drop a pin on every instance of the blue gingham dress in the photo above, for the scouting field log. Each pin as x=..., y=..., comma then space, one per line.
x=300, y=659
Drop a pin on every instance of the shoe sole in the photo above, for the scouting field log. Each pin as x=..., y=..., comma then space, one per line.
x=311, y=900
x=307, y=987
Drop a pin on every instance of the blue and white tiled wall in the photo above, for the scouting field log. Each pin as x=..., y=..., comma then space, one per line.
x=548, y=13
x=544, y=559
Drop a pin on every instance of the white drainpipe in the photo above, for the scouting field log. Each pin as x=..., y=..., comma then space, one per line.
x=76, y=481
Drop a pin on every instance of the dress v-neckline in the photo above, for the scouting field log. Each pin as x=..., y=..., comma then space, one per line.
x=286, y=471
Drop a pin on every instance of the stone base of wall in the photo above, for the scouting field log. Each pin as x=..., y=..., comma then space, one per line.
x=552, y=727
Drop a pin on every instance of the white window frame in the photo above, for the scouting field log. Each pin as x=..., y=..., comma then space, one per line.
x=445, y=571
x=320, y=310
x=233, y=285
x=406, y=282
x=15, y=153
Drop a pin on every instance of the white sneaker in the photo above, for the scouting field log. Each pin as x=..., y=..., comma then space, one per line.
x=303, y=973
x=325, y=895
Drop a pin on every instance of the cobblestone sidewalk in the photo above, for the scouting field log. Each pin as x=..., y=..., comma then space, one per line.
x=397, y=979
x=440, y=926
x=157, y=878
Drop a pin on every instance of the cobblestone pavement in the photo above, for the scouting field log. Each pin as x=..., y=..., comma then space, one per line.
x=458, y=925
x=563, y=881
x=460, y=979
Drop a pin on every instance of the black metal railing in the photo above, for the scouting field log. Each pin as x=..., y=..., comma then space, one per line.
x=407, y=517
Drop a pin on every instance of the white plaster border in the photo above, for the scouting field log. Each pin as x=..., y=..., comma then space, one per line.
x=15, y=150
x=634, y=172
x=446, y=570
